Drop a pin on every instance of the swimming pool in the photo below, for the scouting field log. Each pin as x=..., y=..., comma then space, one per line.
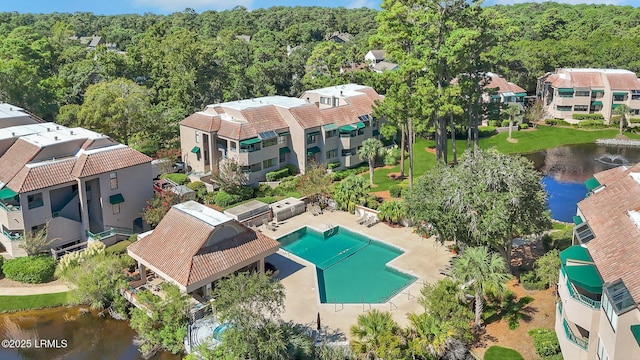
x=351, y=267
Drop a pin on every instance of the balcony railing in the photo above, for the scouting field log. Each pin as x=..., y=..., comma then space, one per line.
x=595, y=304
x=8, y=207
x=579, y=341
x=110, y=232
x=11, y=235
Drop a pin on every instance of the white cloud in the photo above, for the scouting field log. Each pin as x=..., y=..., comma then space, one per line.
x=198, y=5
x=356, y=4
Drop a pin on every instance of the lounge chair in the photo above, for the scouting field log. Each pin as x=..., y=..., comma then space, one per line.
x=317, y=209
x=373, y=221
x=362, y=219
x=370, y=220
x=269, y=226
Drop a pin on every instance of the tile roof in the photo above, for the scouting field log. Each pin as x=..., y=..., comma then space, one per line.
x=576, y=78
x=502, y=85
x=623, y=81
x=15, y=158
x=616, y=245
x=94, y=163
x=31, y=178
x=177, y=248
x=202, y=121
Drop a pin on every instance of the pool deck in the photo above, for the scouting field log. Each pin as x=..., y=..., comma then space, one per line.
x=422, y=259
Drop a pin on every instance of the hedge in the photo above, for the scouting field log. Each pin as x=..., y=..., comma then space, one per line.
x=30, y=269
x=487, y=131
x=545, y=341
x=177, y=178
x=277, y=175
x=552, y=122
x=333, y=165
x=634, y=120
x=118, y=248
x=292, y=169
x=531, y=281
x=224, y=199
x=523, y=126
x=588, y=117
x=591, y=124
x=505, y=123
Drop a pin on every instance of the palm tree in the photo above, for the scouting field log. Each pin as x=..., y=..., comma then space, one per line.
x=428, y=335
x=483, y=271
x=370, y=150
x=512, y=110
x=624, y=111
x=371, y=332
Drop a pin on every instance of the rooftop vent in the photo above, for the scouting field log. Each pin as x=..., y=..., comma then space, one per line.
x=71, y=132
x=55, y=138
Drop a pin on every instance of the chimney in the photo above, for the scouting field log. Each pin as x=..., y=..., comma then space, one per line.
x=55, y=138
x=308, y=100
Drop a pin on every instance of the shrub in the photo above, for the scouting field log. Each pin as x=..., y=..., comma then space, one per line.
x=493, y=123
x=634, y=120
x=210, y=198
x=505, y=123
x=552, y=122
x=531, y=281
x=588, y=117
x=224, y=199
x=277, y=175
x=545, y=342
x=486, y=131
x=333, y=165
x=292, y=169
x=199, y=188
x=177, y=178
x=392, y=211
x=586, y=124
x=263, y=190
x=395, y=191
x=30, y=269
x=523, y=126
x=133, y=238
x=118, y=248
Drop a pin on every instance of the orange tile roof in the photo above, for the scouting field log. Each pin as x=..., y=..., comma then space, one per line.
x=107, y=160
x=202, y=121
x=616, y=245
x=15, y=158
x=503, y=85
x=623, y=81
x=175, y=247
x=43, y=176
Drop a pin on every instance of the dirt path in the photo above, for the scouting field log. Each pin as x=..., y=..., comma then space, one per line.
x=10, y=287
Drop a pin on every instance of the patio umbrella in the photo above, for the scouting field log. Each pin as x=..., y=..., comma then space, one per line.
x=318, y=321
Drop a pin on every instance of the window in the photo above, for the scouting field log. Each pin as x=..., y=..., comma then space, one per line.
x=619, y=97
x=115, y=208
x=635, y=111
x=283, y=157
x=255, y=167
x=581, y=108
x=233, y=146
x=325, y=100
x=197, y=137
x=635, y=94
x=563, y=108
x=269, y=163
x=361, y=131
x=34, y=200
x=602, y=353
x=311, y=138
x=332, y=133
x=332, y=153
x=37, y=228
x=348, y=152
x=336, y=102
x=113, y=180
x=582, y=93
x=269, y=142
x=374, y=123
x=282, y=139
x=608, y=310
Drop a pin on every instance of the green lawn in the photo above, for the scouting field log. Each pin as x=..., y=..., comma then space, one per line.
x=28, y=302
x=543, y=137
x=501, y=353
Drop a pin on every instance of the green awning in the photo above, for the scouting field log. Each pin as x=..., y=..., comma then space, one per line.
x=635, y=330
x=376, y=132
x=360, y=125
x=195, y=150
x=597, y=91
x=613, y=106
x=565, y=90
x=576, y=253
x=577, y=220
x=313, y=150
x=494, y=96
x=284, y=150
x=621, y=93
x=346, y=129
x=331, y=126
x=592, y=184
x=596, y=103
x=283, y=133
x=250, y=141
x=116, y=199
x=7, y=194
x=522, y=94
x=585, y=276
x=313, y=133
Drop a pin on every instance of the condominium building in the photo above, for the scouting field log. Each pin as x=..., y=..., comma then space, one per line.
x=499, y=91
x=74, y=181
x=263, y=134
x=567, y=92
x=598, y=315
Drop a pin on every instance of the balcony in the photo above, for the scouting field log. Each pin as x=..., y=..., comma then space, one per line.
x=583, y=299
x=11, y=235
x=579, y=341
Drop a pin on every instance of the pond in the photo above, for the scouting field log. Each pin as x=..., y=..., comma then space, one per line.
x=68, y=333
x=566, y=168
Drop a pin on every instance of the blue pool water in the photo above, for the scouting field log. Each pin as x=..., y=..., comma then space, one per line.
x=351, y=268
x=563, y=197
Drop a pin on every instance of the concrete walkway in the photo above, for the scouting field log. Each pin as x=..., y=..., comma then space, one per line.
x=422, y=259
x=14, y=288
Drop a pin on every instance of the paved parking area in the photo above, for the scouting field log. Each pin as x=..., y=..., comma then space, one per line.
x=422, y=259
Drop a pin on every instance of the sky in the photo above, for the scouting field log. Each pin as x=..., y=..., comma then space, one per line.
x=111, y=7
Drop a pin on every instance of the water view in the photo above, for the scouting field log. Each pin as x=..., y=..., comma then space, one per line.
x=87, y=336
x=566, y=168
